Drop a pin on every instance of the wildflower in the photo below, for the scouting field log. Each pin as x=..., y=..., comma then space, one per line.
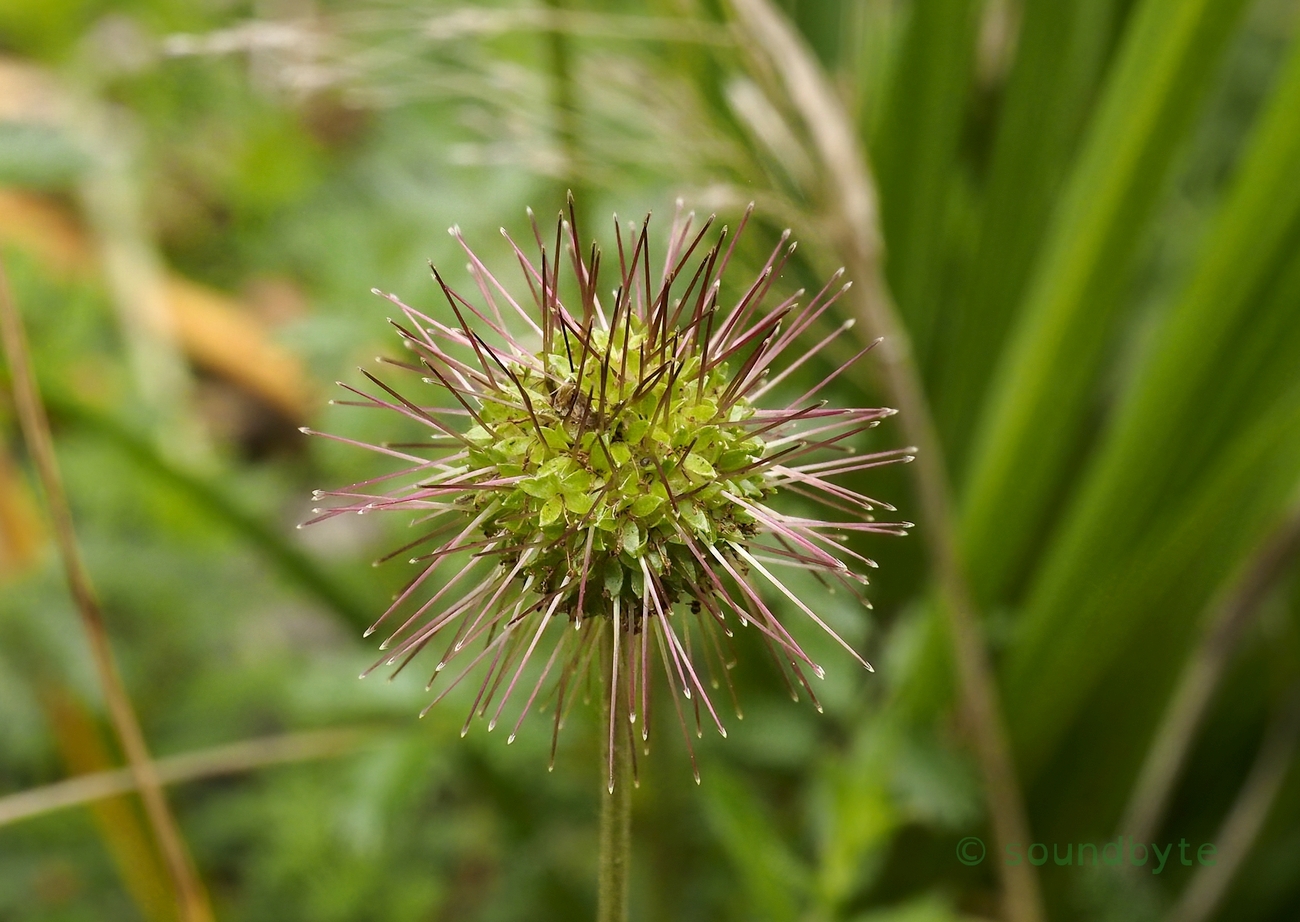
x=602, y=478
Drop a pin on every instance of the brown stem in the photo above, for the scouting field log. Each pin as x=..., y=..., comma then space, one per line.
x=230, y=759
x=1237, y=835
x=850, y=193
x=1228, y=618
x=191, y=897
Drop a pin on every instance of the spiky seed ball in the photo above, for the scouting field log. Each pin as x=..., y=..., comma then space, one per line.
x=610, y=469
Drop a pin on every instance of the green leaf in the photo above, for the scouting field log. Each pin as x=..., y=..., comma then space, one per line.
x=1061, y=51
x=542, y=487
x=620, y=453
x=631, y=539
x=772, y=876
x=613, y=578
x=1034, y=416
x=1234, y=322
x=915, y=150
x=646, y=504
x=699, y=467
x=552, y=509
x=578, y=502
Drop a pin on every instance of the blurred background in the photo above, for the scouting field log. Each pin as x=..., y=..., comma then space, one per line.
x=1079, y=223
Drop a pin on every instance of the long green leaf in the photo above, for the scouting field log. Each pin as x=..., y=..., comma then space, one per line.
x=292, y=563
x=1236, y=319
x=915, y=150
x=1035, y=415
x=1060, y=56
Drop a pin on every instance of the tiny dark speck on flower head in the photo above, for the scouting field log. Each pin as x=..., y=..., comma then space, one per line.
x=599, y=476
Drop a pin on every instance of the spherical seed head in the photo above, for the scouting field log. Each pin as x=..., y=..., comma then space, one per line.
x=612, y=469
x=627, y=448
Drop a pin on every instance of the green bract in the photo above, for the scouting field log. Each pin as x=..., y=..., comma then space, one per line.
x=635, y=471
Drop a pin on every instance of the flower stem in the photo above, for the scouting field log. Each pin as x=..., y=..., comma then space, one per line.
x=615, y=805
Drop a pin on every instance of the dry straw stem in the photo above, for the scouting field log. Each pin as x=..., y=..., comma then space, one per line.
x=230, y=759
x=850, y=193
x=1228, y=619
x=1237, y=835
x=191, y=897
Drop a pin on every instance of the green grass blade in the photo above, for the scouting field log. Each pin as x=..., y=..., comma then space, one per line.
x=1034, y=417
x=914, y=152
x=1228, y=346
x=1060, y=58
x=292, y=563
x=1168, y=574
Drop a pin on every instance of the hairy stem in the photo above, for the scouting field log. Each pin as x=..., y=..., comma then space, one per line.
x=615, y=803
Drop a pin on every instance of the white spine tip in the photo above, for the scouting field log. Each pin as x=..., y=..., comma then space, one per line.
x=510, y=739
x=819, y=672
x=723, y=731
x=870, y=668
x=464, y=732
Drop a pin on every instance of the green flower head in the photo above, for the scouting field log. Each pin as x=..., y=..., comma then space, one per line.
x=608, y=468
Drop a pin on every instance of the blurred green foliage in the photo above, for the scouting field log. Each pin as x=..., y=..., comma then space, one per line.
x=1091, y=214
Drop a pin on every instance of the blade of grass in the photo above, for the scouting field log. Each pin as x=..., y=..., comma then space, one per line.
x=1236, y=309
x=1033, y=418
x=191, y=898
x=772, y=876
x=210, y=499
x=215, y=762
x=117, y=819
x=1204, y=895
x=1060, y=57
x=915, y=150
x=1218, y=521
x=850, y=201
x=1201, y=675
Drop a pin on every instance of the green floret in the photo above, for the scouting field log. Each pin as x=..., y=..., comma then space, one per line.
x=621, y=453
